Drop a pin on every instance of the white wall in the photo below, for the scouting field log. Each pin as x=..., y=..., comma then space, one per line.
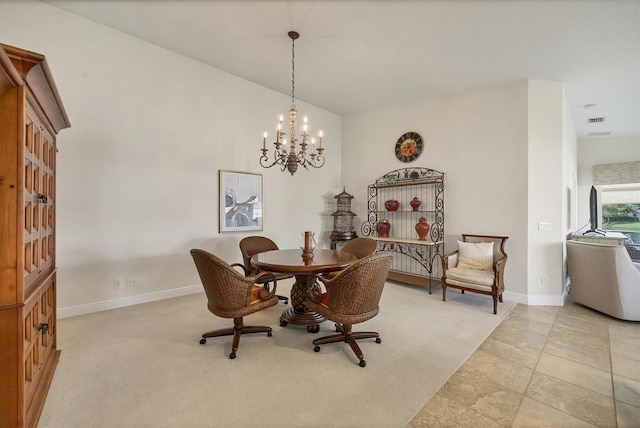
x=569, y=181
x=600, y=151
x=138, y=170
x=478, y=139
x=546, y=192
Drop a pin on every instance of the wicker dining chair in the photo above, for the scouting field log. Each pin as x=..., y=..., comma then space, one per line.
x=360, y=247
x=352, y=297
x=252, y=245
x=232, y=295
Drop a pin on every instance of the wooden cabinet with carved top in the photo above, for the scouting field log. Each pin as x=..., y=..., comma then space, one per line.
x=31, y=115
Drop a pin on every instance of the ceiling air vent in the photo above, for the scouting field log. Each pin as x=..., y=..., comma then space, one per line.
x=595, y=119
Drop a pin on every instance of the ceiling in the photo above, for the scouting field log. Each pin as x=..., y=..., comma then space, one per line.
x=354, y=56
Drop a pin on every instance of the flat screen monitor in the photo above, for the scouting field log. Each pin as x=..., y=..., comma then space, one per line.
x=593, y=213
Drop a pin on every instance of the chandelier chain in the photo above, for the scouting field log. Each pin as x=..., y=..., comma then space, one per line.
x=293, y=72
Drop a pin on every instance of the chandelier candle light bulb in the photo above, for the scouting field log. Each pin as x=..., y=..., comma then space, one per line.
x=290, y=159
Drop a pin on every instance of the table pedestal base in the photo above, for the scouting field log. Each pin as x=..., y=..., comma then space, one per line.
x=298, y=313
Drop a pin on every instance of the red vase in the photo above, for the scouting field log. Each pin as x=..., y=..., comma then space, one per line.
x=383, y=228
x=392, y=205
x=422, y=227
x=415, y=203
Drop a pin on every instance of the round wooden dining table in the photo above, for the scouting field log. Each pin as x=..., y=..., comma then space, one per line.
x=305, y=271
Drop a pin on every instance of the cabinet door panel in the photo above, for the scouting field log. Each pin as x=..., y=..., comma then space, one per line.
x=39, y=320
x=39, y=194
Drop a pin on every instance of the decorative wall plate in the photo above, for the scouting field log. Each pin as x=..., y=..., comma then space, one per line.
x=409, y=147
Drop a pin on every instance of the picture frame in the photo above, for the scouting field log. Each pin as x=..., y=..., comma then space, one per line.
x=240, y=201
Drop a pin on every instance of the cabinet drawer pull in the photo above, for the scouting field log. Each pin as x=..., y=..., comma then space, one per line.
x=44, y=327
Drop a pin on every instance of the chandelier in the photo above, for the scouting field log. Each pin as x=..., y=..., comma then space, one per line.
x=290, y=157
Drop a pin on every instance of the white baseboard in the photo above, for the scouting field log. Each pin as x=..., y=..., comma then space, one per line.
x=105, y=305
x=546, y=300
x=72, y=311
x=534, y=300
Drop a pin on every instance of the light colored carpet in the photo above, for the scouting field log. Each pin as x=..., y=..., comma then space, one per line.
x=143, y=366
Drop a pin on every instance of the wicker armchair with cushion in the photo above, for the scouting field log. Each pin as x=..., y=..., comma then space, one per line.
x=477, y=265
x=252, y=245
x=232, y=295
x=352, y=297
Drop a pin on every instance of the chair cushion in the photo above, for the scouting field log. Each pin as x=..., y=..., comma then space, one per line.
x=269, y=278
x=325, y=299
x=475, y=276
x=475, y=255
x=256, y=292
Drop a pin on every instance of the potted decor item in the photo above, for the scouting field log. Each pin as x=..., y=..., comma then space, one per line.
x=308, y=244
x=422, y=228
x=415, y=203
x=392, y=205
x=383, y=228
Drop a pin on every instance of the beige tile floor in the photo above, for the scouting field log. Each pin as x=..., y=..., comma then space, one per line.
x=545, y=366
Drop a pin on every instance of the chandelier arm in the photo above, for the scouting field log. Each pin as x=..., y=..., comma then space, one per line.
x=318, y=162
x=279, y=156
x=264, y=162
x=314, y=161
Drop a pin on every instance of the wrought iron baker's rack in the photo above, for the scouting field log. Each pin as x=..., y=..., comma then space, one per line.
x=400, y=184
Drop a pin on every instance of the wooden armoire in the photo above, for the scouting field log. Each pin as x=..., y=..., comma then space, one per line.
x=31, y=115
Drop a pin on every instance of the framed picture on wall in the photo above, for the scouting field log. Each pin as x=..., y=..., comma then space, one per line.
x=240, y=205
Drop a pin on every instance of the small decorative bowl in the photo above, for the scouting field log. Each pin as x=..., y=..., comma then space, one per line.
x=392, y=205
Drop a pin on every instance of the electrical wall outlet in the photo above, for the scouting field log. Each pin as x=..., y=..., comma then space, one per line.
x=132, y=281
x=117, y=283
x=543, y=225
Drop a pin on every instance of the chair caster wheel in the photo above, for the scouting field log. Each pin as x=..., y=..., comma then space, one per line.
x=378, y=340
x=363, y=363
x=313, y=328
x=283, y=323
x=232, y=356
x=203, y=341
x=269, y=334
x=317, y=348
x=286, y=302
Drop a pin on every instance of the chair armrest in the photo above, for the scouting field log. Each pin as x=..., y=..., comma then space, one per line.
x=498, y=270
x=244, y=269
x=315, y=293
x=449, y=260
x=266, y=291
